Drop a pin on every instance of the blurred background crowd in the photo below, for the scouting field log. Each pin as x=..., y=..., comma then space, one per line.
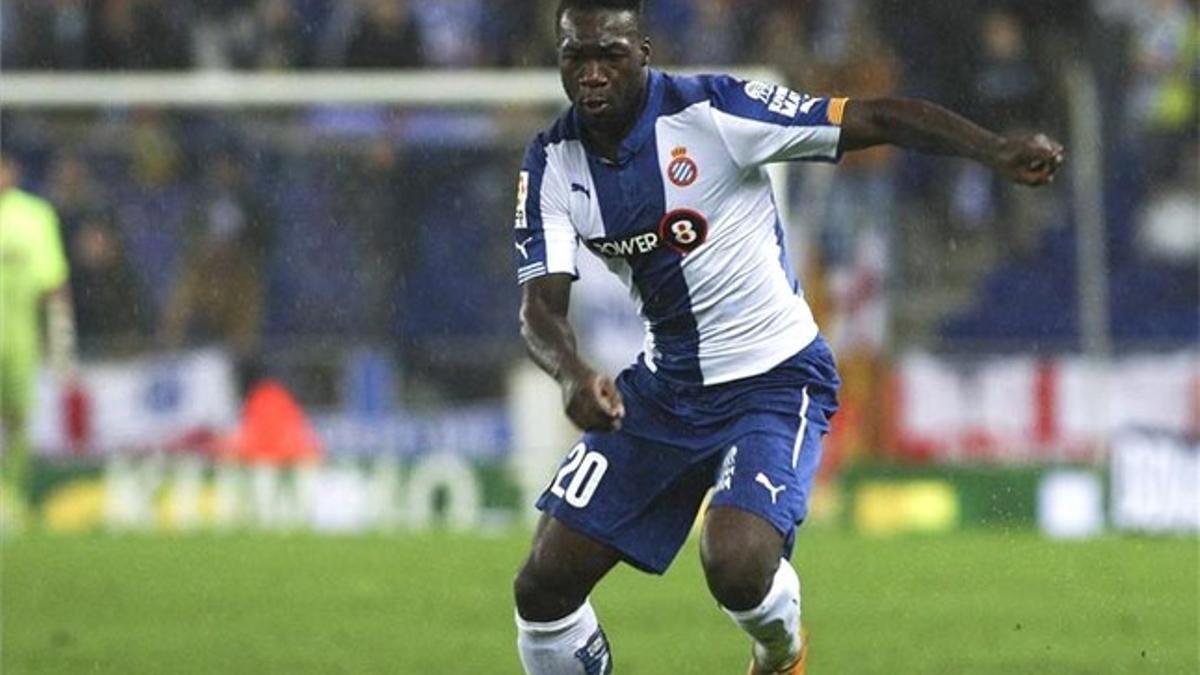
x=302, y=239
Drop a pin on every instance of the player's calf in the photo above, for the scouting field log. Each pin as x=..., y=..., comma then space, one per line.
x=557, y=629
x=757, y=588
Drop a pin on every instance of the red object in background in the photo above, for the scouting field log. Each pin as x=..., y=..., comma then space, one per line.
x=77, y=417
x=274, y=429
x=1045, y=396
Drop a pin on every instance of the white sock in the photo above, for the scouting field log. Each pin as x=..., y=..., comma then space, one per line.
x=572, y=645
x=775, y=624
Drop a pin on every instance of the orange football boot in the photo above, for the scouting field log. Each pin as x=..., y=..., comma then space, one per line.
x=797, y=667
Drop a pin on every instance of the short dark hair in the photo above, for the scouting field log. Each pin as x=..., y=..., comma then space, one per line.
x=634, y=6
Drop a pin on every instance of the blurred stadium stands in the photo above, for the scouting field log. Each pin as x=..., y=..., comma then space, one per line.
x=383, y=230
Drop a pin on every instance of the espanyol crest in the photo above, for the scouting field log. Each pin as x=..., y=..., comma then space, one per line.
x=682, y=171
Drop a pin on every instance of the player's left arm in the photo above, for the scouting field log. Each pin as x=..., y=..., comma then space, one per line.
x=54, y=279
x=1029, y=159
x=60, y=331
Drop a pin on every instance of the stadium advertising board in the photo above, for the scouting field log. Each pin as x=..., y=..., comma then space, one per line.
x=183, y=493
x=1024, y=409
x=1155, y=483
x=135, y=404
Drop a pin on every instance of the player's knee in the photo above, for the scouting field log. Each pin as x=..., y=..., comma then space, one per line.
x=541, y=595
x=737, y=580
x=738, y=569
x=740, y=554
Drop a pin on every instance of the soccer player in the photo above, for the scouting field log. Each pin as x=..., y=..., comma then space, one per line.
x=662, y=177
x=33, y=279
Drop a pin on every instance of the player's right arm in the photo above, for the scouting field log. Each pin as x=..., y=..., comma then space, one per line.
x=545, y=244
x=591, y=400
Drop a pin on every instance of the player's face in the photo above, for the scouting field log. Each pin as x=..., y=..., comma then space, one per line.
x=10, y=175
x=603, y=59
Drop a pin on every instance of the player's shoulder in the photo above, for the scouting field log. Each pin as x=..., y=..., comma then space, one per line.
x=747, y=99
x=760, y=101
x=564, y=129
x=30, y=203
x=721, y=90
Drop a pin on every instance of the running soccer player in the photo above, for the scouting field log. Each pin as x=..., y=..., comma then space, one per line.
x=662, y=177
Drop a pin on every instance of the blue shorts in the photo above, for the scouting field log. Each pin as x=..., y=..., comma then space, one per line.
x=755, y=442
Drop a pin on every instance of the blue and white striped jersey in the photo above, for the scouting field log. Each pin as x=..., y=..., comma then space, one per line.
x=685, y=218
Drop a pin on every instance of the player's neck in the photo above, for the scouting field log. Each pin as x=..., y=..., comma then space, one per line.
x=606, y=142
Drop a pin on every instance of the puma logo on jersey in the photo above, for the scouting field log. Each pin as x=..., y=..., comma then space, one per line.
x=762, y=480
x=521, y=247
x=576, y=187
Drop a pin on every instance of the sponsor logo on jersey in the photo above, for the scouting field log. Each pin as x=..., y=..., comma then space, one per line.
x=576, y=187
x=682, y=171
x=522, y=196
x=684, y=230
x=681, y=230
x=625, y=247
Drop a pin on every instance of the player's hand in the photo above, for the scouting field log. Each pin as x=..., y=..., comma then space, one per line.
x=593, y=402
x=1030, y=159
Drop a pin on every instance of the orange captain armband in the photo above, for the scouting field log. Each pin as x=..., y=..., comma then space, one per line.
x=837, y=108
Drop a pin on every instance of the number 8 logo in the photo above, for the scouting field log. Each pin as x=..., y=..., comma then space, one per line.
x=684, y=230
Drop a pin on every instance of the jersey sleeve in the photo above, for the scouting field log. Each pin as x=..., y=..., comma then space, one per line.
x=544, y=240
x=762, y=123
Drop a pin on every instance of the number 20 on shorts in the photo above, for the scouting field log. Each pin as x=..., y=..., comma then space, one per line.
x=581, y=474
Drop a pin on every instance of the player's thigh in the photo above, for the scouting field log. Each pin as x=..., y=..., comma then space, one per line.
x=17, y=375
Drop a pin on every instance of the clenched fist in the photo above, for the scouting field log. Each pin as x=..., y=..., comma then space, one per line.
x=593, y=402
x=1030, y=159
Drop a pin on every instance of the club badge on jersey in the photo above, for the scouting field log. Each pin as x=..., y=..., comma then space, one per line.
x=682, y=171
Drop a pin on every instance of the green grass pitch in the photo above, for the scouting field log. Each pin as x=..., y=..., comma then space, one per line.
x=980, y=602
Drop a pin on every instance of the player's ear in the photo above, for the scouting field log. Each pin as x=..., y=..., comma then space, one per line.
x=647, y=51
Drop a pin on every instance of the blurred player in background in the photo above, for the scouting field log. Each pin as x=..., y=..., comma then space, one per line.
x=662, y=177
x=33, y=287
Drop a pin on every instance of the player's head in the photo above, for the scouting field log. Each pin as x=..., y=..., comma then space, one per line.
x=603, y=57
x=10, y=171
